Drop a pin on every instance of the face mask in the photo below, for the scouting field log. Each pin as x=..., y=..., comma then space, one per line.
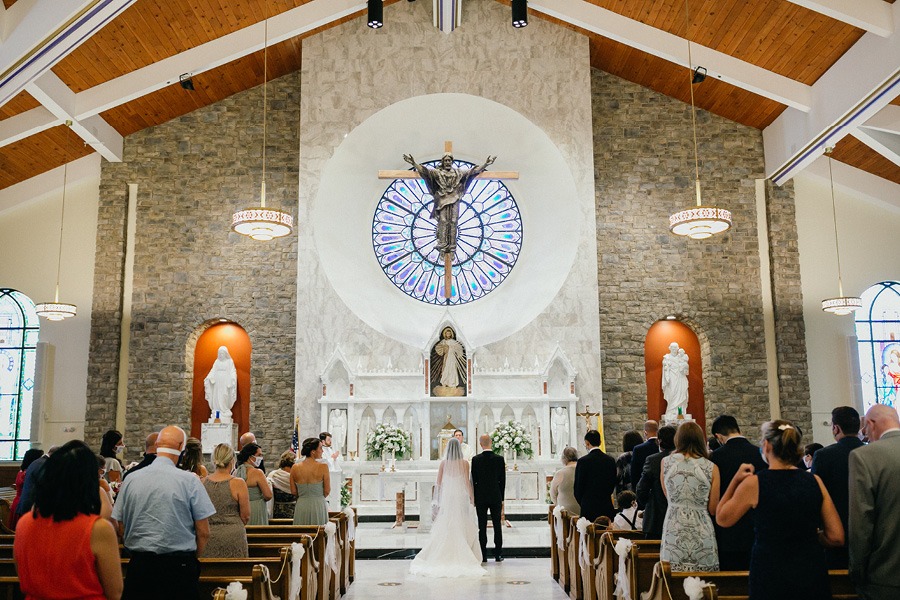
x=761, y=453
x=120, y=448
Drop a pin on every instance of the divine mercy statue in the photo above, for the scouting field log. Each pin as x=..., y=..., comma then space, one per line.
x=221, y=386
x=448, y=365
x=675, y=380
x=447, y=184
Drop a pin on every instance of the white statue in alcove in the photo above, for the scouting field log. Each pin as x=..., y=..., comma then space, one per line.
x=675, y=381
x=220, y=386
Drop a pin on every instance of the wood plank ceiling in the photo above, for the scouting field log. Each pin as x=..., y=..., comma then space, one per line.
x=773, y=34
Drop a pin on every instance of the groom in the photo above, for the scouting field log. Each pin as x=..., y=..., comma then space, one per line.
x=489, y=483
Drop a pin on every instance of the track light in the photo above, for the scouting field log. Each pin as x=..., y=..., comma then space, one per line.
x=519, y=13
x=186, y=82
x=376, y=13
x=699, y=75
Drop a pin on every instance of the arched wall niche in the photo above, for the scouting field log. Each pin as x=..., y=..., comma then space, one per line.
x=202, y=348
x=656, y=345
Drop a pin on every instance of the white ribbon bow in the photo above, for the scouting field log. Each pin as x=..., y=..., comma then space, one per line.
x=693, y=587
x=331, y=548
x=584, y=558
x=297, y=552
x=623, y=589
x=558, y=526
x=351, y=525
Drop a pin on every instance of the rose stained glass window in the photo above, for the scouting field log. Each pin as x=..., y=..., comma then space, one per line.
x=488, y=242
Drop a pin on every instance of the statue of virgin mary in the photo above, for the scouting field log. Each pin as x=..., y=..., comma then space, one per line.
x=221, y=386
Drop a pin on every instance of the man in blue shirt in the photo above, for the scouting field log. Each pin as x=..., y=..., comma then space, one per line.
x=164, y=514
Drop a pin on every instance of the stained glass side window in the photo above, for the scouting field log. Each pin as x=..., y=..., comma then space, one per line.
x=878, y=336
x=19, y=329
x=488, y=242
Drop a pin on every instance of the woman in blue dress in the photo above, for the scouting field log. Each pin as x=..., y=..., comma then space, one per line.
x=794, y=518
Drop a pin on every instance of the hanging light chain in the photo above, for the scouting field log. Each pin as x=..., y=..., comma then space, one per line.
x=62, y=215
x=837, y=247
x=687, y=31
x=262, y=190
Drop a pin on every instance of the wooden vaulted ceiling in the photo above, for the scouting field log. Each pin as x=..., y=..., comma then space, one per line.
x=776, y=35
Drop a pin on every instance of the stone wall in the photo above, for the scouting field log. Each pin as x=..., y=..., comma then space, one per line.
x=189, y=268
x=644, y=172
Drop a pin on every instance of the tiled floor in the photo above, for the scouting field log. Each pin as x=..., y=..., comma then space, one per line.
x=522, y=534
x=513, y=579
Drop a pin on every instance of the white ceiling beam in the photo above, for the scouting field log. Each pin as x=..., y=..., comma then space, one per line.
x=215, y=53
x=674, y=49
x=45, y=34
x=57, y=98
x=885, y=144
x=26, y=124
x=873, y=16
x=886, y=120
x=861, y=83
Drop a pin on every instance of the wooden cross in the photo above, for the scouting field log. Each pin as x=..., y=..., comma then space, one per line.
x=587, y=414
x=410, y=174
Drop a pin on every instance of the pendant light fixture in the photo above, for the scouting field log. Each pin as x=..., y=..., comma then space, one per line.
x=698, y=222
x=262, y=222
x=841, y=305
x=56, y=310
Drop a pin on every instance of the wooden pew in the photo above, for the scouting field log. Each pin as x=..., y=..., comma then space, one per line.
x=728, y=585
x=576, y=569
x=639, y=564
x=563, y=553
x=554, y=558
x=328, y=586
x=606, y=561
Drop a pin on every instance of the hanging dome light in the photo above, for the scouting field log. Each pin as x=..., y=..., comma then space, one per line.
x=841, y=305
x=56, y=310
x=698, y=222
x=261, y=222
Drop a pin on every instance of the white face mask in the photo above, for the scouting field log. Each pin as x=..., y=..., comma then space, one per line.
x=120, y=448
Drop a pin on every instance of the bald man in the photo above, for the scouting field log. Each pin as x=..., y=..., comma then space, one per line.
x=875, y=507
x=164, y=514
x=250, y=438
x=149, y=455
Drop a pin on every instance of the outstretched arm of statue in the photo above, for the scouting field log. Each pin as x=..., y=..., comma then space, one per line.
x=478, y=170
x=409, y=158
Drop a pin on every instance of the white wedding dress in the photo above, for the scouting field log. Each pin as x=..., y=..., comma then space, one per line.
x=453, y=549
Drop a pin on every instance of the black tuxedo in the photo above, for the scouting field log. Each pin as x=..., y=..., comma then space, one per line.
x=489, y=486
x=595, y=481
x=832, y=465
x=149, y=457
x=639, y=455
x=650, y=496
x=735, y=542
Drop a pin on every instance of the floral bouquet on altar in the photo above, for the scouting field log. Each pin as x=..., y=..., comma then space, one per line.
x=387, y=439
x=512, y=437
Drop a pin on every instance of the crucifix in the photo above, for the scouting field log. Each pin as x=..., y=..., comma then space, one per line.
x=587, y=414
x=447, y=185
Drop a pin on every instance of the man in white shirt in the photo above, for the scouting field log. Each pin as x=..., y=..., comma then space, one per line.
x=466, y=450
x=330, y=456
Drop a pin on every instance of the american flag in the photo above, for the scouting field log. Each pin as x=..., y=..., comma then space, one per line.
x=295, y=439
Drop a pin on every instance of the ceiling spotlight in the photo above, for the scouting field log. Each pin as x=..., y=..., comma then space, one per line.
x=519, y=13
x=376, y=14
x=699, y=75
x=186, y=82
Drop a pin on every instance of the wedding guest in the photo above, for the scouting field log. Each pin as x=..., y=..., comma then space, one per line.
x=595, y=479
x=809, y=453
x=691, y=484
x=832, y=466
x=628, y=517
x=630, y=441
x=712, y=444
x=562, y=487
x=31, y=455
x=64, y=549
x=280, y=479
x=789, y=504
x=311, y=484
x=31, y=476
x=642, y=451
x=250, y=438
x=260, y=492
x=735, y=542
x=192, y=458
x=229, y=495
x=874, y=506
x=149, y=455
x=650, y=496
x=106, y=493
x=111, y=444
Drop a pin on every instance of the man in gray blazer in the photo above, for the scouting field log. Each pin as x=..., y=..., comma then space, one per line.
x=875, y=506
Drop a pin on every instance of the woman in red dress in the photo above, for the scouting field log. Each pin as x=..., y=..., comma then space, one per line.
x=30, y=456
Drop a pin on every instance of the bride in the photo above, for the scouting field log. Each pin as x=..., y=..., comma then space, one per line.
x=453, y=549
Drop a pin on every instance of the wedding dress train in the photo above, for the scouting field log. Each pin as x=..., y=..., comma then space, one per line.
x=452, y=550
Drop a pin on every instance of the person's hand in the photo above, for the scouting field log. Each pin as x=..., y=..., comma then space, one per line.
x=745, y=471
x=408, y=158
x=490, y=160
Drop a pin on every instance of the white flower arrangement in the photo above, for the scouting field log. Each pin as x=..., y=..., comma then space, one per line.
x=387, y=438
x=513, y=437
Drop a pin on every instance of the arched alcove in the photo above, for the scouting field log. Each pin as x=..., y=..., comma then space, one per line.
x=656, y=345
x=215, y=334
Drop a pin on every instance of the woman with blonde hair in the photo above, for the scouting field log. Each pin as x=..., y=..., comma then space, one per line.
x=227, y=535
x=690, y=481
x=562, y=488
x=790, y=505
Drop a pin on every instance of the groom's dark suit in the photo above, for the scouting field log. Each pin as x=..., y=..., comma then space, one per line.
x=489, y=485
